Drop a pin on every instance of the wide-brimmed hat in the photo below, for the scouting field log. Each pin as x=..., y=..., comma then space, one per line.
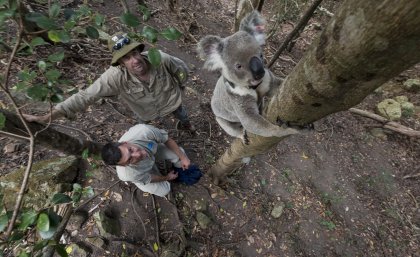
x=121, y=44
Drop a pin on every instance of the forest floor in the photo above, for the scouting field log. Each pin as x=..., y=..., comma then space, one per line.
x=344, y=191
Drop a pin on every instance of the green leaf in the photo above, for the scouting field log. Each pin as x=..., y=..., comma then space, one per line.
x=28, y=218
x=13, y=4
x=171, y=33
x=68, y=25
x=20, y=86
x=88, y=191
x=145, y=11
x=61, y=250
x=53, y=75
x=5, y=14
x=76, y=197
x=45, y=22
x=154, y=56
x=130, y=19
x=150, y=34
x=37, y=92
x=54, y=10
x=77, y=187
x=60, y=198
x=2, y=122
x=155, y=247
x=23, y=254
x=37, y=42
x=68, y=13
x=99, y=19
x=85, y=154
x=56, y=98
x=3, y=218
x=43, y=223
x=53, y=35
x=16, y=235
x=27, y=76
x=57, y=57
x=92, y=32
x=40, y=245
x=64, y=36
x=42, y=65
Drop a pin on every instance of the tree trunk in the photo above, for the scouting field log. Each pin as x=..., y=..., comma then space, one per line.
x=50, y=137
x=364, y=45
x=244, y=7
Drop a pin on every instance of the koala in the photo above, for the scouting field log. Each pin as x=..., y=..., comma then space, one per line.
x=244, y=81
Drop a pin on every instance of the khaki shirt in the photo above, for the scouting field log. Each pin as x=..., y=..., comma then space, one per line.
x=158, y=98
x=148, y=138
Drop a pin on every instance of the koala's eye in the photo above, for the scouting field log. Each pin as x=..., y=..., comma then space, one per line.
x=238, y=66
x=261, y=56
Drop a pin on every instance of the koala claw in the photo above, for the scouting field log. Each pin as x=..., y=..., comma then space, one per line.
x=245, y=138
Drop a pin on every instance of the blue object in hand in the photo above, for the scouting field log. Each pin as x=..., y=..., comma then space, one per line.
x=189, y=176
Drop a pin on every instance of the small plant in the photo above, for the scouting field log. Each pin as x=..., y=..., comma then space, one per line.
x=329, y=224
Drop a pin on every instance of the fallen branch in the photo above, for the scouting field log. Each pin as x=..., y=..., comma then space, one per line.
x=387, y=124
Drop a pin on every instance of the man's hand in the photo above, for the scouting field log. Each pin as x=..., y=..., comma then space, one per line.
x=185, y=162
x=54, y=114
x=36, y=118
x=171, y=175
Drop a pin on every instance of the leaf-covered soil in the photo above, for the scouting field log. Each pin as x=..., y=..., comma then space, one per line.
x=344, y=192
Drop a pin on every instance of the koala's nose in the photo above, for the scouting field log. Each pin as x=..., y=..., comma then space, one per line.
x=257, y=68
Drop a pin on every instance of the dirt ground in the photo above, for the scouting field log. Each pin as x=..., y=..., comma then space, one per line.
x=344, y=191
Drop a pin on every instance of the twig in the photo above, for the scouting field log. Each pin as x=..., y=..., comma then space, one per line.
x=25, y=180
x=302, y=23
x=157, y=224
x=14, y=135
x=387, y=124
x=49, y=252
x=412, y=176
x=98, y=194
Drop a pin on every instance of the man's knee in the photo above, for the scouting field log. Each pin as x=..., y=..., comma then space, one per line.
x=158, y=188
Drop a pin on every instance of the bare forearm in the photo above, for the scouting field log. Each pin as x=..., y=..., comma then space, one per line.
x=156, y=178
x=172, y=145
x=54, y=114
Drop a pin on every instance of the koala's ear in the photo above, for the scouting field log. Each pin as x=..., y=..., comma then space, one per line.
x=210, y=49
x=254, y=24
x=209, y=45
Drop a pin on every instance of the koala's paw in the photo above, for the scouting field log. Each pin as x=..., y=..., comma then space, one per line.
x=286, y=132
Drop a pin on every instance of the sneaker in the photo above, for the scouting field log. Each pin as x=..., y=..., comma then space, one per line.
x=186, y=126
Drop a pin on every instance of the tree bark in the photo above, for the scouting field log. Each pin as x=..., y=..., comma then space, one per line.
x=364, y=45
x=50, y=137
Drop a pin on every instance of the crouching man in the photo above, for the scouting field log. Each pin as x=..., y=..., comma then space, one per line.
x=135, y=155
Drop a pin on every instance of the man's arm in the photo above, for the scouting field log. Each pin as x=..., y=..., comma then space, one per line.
x=171, y=176
x=106, y=85
x=172, y=145
x=54, y=114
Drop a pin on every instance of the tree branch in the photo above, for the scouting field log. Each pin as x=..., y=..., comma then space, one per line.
x=387, y=124
x=302, y=23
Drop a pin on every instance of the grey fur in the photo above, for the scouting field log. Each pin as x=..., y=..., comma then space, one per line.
x=235, y=101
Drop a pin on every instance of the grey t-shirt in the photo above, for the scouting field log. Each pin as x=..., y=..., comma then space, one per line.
x=147, y=137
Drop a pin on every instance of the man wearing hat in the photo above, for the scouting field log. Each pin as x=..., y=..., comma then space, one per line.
x=150, y=92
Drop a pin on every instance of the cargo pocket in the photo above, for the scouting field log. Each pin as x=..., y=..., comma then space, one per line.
x=135, y=91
